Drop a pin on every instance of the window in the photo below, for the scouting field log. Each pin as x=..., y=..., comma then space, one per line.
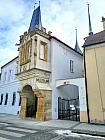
x=20, y=101
x=25, y=52
x=1, y=99
x=43, y=51
x=14, y=98
x=6, y=99
x=71, y=66
x=9, y=75
x=5, y=75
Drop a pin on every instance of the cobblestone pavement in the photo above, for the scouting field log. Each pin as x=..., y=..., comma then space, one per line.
x=9, y=131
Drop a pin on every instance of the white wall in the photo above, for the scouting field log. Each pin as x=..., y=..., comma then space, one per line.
x=60, y=64
x=10, y=89
x=10, y=66
x=9, y=86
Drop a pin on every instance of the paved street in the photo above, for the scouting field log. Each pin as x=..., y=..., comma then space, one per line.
x=14, y=128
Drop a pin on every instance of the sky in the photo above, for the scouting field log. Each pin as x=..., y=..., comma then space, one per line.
x=59, y=16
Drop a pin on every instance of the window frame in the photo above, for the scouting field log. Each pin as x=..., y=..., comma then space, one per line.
x=20, y=100
x=45, y=51
x=9, y=75
x=6, y=99
x=14, y=98
x=1, y=99
x=71, y=66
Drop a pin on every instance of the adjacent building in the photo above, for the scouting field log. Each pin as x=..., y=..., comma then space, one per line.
x=10, y=100
x=94, y=57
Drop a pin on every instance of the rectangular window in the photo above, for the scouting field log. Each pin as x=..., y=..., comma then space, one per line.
x=14, y=98
x=1, y=99
x=5, y=76
x=25, y=52
x=9, y=75
x=43, y=52
x=71, y=66
x=20, y=101
x=6, y=99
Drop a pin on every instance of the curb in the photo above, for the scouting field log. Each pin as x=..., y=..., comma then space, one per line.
x=93, y=133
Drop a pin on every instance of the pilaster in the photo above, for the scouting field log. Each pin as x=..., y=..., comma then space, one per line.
x=43, y=105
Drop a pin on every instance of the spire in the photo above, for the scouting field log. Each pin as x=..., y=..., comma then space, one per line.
x=90, y=27
x=76, y=44
x=36, y=19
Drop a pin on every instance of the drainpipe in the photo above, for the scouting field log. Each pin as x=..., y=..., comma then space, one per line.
x=86, y=88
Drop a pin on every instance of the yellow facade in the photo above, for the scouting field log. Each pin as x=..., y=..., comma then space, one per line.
x=95, y=74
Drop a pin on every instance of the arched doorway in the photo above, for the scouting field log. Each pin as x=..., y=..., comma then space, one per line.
x=29, y=102
x=80, y=83
x=68, y=102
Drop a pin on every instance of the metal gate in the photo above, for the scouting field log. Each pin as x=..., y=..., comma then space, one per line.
x=68, y=109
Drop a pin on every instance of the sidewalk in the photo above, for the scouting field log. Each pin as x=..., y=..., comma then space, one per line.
x=74, y=126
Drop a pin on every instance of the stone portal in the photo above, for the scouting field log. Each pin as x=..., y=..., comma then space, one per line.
x=28, y=102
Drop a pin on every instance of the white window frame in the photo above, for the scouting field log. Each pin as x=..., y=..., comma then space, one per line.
x=42, y=48
x=71, y=66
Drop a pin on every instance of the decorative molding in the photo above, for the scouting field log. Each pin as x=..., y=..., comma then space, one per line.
x=25, y=52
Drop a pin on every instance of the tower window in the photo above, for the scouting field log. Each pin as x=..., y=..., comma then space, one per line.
x=71, y=66
x=6, y=99
x=14, y=98
x=43, y=53
x=1, y=99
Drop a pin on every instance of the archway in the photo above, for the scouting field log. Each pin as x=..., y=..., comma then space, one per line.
x=68, y=102
x=80, y=82
x=29, y=102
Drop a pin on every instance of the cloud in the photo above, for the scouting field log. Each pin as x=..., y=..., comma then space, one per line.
x=13, y=23
x=7, y=55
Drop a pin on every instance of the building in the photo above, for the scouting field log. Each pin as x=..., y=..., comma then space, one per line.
x=43, y=61
x=94, y=50
x=9, y=97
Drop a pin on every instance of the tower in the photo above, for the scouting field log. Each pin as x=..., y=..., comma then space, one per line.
x=90, y=27
x=76, y=44
x=36, y=19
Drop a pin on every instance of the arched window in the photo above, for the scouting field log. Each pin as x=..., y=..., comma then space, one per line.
x=6, y=99
x=1, y=99
x=14, y=98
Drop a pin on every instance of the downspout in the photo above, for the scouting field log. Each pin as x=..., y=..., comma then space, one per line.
x=86, y=89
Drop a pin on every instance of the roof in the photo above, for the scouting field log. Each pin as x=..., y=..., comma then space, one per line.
x=9, y=62
x=95, y=39
x=66, y=45
x=77, y=47
x=36, y=19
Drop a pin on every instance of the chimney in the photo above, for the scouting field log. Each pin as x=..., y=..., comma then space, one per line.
x=103, y=20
